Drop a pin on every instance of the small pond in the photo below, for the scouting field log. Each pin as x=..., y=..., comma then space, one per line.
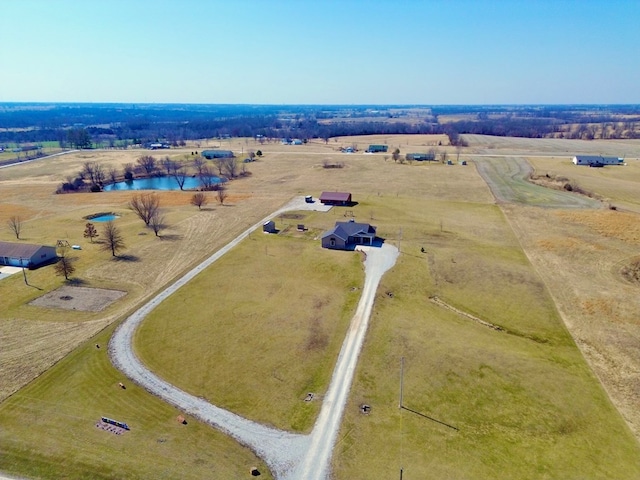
x=107, y=217
x=158, y=183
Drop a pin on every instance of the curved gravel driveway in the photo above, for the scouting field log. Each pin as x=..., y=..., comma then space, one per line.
x=290, y=456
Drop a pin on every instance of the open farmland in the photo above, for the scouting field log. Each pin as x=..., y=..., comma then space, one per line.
x=472, y=260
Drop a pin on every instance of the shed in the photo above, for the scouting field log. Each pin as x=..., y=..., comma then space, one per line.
x=211, y=154
x=421, y=157
x=597, y=160
x=269, y=227
x=336, y=198
x=377, y=148
x=26, y=254
x=345, y=235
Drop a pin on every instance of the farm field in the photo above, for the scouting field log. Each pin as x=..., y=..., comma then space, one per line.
x=473, y=260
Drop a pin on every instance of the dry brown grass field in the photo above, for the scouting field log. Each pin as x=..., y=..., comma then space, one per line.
x=576, y=257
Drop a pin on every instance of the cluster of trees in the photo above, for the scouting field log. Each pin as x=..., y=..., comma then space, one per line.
x=117, y=126
x=95, y=175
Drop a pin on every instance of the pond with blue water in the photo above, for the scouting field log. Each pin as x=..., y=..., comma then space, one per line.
x=159, y=183
x=108, y=217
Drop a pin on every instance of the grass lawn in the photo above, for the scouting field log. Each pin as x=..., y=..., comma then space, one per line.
x=62, y=407
x=525, y=403
x=262, y=327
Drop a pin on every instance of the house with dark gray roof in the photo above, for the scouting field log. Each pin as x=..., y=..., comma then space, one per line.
x=26, y=254
x=346, y=235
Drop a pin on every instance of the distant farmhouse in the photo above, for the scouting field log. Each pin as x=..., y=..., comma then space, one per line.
x=342, y=199
x=597, y=160
x=211, y=154
x=421, y=157
x=377, y=148
x=346, y=235
x=26, y=255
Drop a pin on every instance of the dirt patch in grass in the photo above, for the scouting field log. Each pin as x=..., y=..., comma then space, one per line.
x=631, y=272
x=79, y=298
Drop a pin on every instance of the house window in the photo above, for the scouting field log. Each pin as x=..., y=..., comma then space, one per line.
x=332, y=242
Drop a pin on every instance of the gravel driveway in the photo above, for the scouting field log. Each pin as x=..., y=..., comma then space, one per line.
x=290, y=456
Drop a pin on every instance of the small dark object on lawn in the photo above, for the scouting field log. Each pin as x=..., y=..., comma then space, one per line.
x=97, y=345
x=182, y=420
x=254, y=472
x=366, y=409
x=422, y=249
x=122, y=386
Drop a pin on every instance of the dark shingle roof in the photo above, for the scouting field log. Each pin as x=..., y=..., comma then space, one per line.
x=18, y=250
x=335, y=196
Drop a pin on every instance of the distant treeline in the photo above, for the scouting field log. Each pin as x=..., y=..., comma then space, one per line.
x=117, y=125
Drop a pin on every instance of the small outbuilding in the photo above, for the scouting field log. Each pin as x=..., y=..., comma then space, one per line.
x=211, y=154
x=26, y=255
x=269, y=227
x=597, y=160
x=346, y=235
x=377, y=148
x=336, y=198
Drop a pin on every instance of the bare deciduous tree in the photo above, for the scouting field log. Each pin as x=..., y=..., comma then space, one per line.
x=179, y=172
x=199, y=200
x=90, y=231
x=113, y=174
x=156, y=222
x=113, y=238
x=199, y=164
x=222, y=194
x=65, y=266
x=147, y=162
x=207, y=178
x=145, y=205
x=15, y=225
x=168, y=164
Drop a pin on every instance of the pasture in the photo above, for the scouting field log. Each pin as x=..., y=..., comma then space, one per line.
x=251, y=334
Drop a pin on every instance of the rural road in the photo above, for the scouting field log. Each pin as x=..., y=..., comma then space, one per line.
x=289, y=456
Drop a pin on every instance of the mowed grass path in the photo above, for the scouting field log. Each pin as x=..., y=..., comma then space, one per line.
x=525, y=403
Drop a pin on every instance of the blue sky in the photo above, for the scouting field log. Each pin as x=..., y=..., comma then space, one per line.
x=320, y=52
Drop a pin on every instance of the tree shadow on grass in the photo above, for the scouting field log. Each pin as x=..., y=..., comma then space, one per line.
x=126, y=258
x=171, y=237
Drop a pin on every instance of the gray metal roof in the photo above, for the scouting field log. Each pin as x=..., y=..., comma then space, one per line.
x=19, y=250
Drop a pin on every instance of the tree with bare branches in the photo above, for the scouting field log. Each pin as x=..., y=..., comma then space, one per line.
x=90, y=231
x=64, y=266
x=199, y=163
x=145, y=205
x=222, y=193
x=113, y=238
x=207, y=178
x=148, y=163
x=179, y=172
x=230, y=165
x=15, y=225
x=199, y=200
x=156, y=222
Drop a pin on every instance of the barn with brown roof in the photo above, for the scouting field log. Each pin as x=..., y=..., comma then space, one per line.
x=336, y=198
x=26, y=254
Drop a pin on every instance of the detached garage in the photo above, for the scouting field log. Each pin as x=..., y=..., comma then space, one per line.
x=26, y=255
